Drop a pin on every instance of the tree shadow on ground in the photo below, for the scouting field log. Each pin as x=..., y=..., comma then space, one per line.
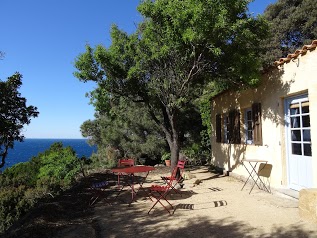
x=212, y=171
x=69, y=215
x=158, y=225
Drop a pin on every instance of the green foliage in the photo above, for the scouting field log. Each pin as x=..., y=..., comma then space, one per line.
x=58, y=165
x=14, y=114
x=293, y=23
x=106, y=157
x=196, y=153
x=162, y=68
x=13, y=204
x=125, y=128
x=23, y=184
x=166, y=156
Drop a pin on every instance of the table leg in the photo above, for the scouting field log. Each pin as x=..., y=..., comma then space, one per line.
x=134, y=191
x=250, y=174
x=258, y=178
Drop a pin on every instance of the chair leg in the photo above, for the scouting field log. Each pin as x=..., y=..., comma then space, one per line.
x=166, y=180
x=93, y=200
x=158, y=200
x=100, y=193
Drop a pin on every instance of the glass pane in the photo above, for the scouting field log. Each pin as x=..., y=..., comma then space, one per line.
x=306, y=135
x=296, y=136
x=296, y=149
x=307, y=149
x=250, y=135
x=249, y=117
x=305, y=107
x=295, y=122
x=294, y=109
x=306, y=121
x=249, y=125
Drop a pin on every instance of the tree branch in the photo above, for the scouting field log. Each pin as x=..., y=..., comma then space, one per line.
x=191, y=72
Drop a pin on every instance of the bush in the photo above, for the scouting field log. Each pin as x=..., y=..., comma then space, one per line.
x=58, y=167
x=22, y=185
x=165, y=156
x=13, y=204
x=105, y=158
x=196, y=154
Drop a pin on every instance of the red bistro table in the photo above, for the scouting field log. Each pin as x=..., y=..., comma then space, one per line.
x=131, y=171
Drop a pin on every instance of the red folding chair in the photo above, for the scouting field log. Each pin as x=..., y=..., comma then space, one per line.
x=160, y=192
x=178, y=178
x=122, y=163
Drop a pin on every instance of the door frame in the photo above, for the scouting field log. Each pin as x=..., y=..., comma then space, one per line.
x=287, y=102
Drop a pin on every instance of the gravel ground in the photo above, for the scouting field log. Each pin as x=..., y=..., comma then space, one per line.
x=211, y=205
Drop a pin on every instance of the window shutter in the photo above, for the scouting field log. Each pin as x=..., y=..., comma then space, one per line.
x=234, y=129
x=257, y=123
x=218, y=128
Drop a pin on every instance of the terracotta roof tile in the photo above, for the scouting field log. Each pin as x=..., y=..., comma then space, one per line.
x=298, y=52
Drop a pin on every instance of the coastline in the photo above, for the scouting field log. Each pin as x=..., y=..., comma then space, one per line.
x=24, y=151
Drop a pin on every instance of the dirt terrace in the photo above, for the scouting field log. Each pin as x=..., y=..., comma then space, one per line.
x=211, y=205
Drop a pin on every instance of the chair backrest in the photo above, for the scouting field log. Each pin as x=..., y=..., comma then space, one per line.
x=178, y=171
x=265, y=170
x=181, y=164
x=173, y=175
x=125, y=162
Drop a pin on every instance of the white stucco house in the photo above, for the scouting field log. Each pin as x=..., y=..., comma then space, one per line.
x=276, y=121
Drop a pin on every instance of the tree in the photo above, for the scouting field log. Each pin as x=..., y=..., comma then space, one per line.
x=123, y=126
x=178, y=46
x=128, y=128
x=293, y=23
x=14, y=114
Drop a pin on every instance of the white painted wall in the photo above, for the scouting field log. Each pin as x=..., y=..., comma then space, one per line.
x=297, y=77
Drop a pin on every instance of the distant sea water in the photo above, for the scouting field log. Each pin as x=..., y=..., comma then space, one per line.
x=24, y=151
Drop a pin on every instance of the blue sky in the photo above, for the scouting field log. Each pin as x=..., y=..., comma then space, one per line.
x=41, y=40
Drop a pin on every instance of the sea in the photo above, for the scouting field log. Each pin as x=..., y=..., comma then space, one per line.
x=24, y=151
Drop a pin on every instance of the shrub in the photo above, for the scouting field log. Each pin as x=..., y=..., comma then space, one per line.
x=105, y=158
x=13, y=204
x=22, y=185
x=58, y=167
x=166, y=156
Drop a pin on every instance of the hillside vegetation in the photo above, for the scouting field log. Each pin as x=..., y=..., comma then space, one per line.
x=44, y=176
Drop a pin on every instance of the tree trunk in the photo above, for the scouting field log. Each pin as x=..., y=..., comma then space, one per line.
x=3, y=156
x=174, y=148
x=170, y=128
x=173, y=140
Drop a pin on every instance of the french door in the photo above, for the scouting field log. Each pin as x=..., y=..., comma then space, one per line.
x=298, y=143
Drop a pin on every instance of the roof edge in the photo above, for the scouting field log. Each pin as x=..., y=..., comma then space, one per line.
x=298, y=52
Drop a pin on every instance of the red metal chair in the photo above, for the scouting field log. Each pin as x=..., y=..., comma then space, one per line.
x=178, y=178
x=122, y=163
x=160, y=192
x=125, y=162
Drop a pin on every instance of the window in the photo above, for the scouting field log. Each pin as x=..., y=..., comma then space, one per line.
x=300, y=128
x=234, y=127
x=253, y=125
x=257, y=123
x=248, y=126
x=228, y=126
x=226, y=123
x=230, y=133
x=218, y=128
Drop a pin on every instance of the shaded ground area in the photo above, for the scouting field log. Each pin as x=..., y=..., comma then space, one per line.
x=211, y=205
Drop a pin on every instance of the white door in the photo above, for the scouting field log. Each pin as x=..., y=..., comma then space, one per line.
x=299, y=143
